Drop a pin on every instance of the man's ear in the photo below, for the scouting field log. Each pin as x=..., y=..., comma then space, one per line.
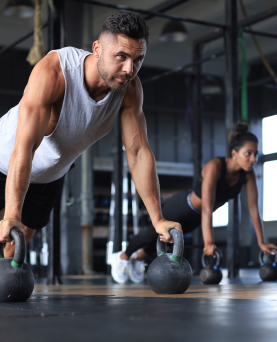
x=96, y=48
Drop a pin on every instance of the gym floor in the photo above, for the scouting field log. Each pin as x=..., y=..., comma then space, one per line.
x=94, y=308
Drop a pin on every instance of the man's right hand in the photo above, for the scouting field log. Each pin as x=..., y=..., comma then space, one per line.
x=163, y=227
x=209, y=249
x=5, y=229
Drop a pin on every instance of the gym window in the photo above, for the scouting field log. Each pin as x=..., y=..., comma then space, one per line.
x=221, y=216
x=270, y=191
x=269, y=125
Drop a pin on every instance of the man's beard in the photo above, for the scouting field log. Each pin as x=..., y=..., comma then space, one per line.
x=111, y=80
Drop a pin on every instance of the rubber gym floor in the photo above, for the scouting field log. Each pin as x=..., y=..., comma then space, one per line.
x=94, y=308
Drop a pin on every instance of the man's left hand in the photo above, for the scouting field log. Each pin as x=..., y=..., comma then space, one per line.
x=163, y=226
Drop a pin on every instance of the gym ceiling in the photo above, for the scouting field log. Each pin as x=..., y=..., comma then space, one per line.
x=161, y=54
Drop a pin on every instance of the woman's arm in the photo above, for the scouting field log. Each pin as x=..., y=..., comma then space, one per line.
x=211, y=173
x=252, y=198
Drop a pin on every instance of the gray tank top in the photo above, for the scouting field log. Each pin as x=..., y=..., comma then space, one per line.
x=82, y=122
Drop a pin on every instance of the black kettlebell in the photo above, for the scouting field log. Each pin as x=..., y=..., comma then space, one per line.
x=211, y=274
x=170, y=273
x=16, y=278
x=268, y=270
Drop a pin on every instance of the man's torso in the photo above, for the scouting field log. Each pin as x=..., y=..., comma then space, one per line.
x=76, y=122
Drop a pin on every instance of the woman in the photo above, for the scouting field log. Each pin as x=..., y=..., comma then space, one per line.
x=221, y=179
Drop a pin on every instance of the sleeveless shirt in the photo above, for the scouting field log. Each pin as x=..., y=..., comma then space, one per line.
x=224, y=192
x=82, y=122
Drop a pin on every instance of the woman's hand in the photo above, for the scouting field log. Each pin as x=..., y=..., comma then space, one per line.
x=265, y=247
x=209, y=250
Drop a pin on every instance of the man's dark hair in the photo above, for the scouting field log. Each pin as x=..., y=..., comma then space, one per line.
x=128, y=23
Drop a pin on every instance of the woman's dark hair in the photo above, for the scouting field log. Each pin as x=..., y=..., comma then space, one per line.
x=239, y=137
x=128, y=23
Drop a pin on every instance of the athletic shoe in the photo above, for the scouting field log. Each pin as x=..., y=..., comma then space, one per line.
x=119, y=268
x=136, y=270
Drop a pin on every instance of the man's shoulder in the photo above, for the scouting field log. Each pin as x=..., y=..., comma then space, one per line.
x=70, y=50
x=70, y=57
x=134, y=94
x=49, y=66
x=46, y=76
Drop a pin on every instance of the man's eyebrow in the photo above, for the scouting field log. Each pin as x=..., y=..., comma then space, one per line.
x=127, y=54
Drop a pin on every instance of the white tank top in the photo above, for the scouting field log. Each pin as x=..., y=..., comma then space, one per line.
x=81, y=123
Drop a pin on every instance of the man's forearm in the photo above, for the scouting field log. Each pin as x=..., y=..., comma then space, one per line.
x=143, y=169
x=17, y=183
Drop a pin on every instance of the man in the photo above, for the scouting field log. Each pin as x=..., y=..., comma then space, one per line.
x=72, y=99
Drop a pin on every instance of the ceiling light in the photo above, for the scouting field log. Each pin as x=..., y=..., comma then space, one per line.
x=19, y=9
x=174, y=31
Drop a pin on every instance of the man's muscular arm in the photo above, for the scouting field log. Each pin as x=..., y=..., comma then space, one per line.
x=140, y=157
x=44, y=88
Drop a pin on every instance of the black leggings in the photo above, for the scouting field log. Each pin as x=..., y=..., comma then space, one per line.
x=175, y=209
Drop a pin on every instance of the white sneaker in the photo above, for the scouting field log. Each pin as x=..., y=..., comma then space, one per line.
x=119, y=268
x=136, y=270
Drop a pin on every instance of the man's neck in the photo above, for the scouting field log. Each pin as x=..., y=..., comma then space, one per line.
x=94, y=83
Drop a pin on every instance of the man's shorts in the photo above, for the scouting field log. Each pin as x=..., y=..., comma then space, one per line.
x=38, y=203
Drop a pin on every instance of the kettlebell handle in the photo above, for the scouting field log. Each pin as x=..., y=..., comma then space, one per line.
x=20, y=247
x=178, y=245
x=219, y=258
x=262, y=253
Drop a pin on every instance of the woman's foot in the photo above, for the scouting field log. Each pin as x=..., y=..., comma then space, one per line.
x=136, y=271
x=136, y=268
x=119, y=269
